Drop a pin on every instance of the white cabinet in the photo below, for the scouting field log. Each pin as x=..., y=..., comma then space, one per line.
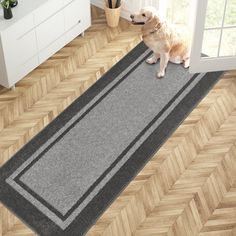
x=51, y=49
x=18, y=53
x=50, y=30
x=73, y=15
x=38, y=30
x=76, y=18
x=19, y=45
x=47, y=9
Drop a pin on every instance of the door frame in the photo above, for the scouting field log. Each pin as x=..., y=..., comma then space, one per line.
x=205, y=64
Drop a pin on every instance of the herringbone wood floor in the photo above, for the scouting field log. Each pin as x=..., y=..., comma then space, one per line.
x=189, y=186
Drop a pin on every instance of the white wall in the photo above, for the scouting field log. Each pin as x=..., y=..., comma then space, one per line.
x=129, y=6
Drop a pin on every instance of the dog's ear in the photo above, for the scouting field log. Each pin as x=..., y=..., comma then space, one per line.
x=153, y=20
x=149, y=16
x=156, y=20
x=153, y=16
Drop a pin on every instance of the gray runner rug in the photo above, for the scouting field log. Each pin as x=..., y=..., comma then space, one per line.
x=64, y=178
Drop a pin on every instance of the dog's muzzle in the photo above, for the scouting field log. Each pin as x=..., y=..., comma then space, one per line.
x=134, y=22
x=137, y=23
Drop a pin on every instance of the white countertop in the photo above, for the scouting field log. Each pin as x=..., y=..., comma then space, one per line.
x=23, y=8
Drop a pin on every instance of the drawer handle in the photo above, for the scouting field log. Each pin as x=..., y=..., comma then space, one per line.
x=79, y=21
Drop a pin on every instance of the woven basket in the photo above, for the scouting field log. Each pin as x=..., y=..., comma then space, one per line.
x=112, y=16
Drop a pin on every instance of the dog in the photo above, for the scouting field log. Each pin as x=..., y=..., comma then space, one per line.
x=168, y=42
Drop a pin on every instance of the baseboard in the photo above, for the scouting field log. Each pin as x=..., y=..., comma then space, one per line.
x=100, y=3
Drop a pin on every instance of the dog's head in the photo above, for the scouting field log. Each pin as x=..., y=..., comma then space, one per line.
x=146, y=14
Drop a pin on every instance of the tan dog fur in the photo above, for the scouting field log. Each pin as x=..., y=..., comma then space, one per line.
x=168, y=42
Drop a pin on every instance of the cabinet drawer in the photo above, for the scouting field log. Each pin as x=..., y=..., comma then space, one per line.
x=20, y=50
x=47, y=10
x=74, y=32
x=20, y=28
x=51, y=49
x=67, y=2
x=22, y=70
x=50, y=30
x=77, y=12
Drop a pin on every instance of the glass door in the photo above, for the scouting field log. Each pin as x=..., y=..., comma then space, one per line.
x=214, y=38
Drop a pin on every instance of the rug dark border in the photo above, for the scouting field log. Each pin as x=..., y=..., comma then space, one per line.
x=37, y=220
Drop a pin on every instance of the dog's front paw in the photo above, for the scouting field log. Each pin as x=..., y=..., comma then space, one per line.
x=160, y=74
x=186, y=64
x=151, y=60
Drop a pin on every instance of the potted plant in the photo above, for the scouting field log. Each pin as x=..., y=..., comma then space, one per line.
x=6, y=5
x=13, y=3
x=112, y=11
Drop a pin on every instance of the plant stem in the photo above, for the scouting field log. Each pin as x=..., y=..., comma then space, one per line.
x=118, y=3
x=110, y=3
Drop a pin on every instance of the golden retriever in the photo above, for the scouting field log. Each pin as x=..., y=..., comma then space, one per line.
x=168, y=42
